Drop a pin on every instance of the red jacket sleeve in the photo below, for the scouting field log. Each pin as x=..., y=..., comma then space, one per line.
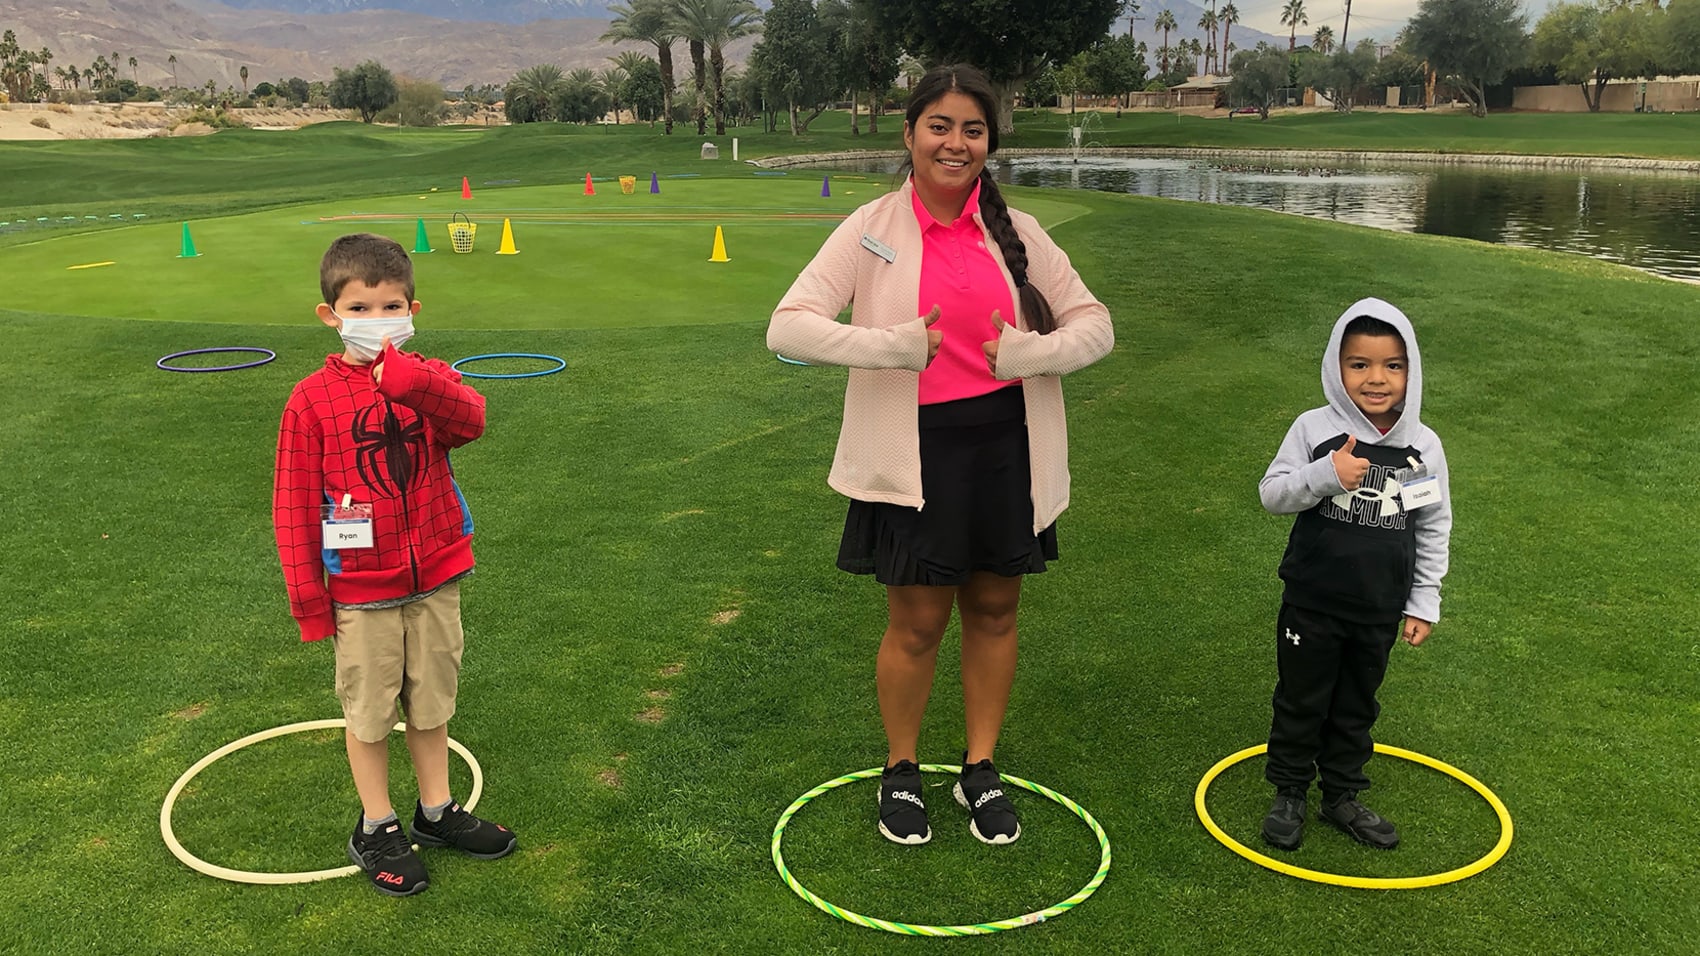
x=297, y=493
x=434, y=390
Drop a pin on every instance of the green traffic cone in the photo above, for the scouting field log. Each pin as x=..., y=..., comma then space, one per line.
x=188, y=245
x=422, y=242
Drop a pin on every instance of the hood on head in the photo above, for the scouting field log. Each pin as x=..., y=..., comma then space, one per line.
x=1352, y=418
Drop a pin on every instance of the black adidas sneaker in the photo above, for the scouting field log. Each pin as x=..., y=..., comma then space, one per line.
x=903, y=815
x=992, y=817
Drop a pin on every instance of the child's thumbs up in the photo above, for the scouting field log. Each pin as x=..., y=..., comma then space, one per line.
x=1349, y=468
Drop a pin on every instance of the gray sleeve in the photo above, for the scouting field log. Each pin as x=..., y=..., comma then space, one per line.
x=1434, y=536
x=1293, y=482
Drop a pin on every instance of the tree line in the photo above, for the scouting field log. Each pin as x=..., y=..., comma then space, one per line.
x=1470, y=46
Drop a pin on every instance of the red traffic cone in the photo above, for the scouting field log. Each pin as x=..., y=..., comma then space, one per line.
x=589, y=190
x=465, y=188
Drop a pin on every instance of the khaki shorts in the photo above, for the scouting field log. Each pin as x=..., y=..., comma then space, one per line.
x=409, y=654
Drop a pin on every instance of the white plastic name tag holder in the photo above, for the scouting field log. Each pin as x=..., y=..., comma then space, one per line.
x=1418, y=488
x=347, y=525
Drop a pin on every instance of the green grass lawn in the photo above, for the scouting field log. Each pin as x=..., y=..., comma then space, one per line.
x=661, y=656
x=585, y=261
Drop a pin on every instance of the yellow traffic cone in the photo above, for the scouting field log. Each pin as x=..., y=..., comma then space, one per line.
x=507, y=248
x=719, y=247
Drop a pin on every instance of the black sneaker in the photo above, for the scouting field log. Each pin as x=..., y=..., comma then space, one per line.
x=980, y=790
x=903, y=816
x=388, y=858
x=1284, y=827
x=464, y=832
x=1363, y=824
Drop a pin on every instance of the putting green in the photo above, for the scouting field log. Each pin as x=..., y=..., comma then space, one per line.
x=599, y=261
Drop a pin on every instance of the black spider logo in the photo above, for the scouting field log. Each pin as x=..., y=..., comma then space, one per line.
x=388, y=455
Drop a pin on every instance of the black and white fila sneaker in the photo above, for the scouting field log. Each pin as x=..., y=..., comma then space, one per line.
x=981, y=791
x=903, y=815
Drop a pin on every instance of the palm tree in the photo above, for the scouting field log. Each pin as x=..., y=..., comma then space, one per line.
x=714, y=23
x=172, y=60
x=1323, y=42
x=531, y=94
x=1207, y=23
x=648, y=21
x=1229, y=16
x=612, y=83
x=134, y=77
x=243, y=73
x=690, y=21
x=1294, y=16
x=1166, y=22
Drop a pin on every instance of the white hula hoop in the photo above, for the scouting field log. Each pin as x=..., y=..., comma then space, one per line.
x=278, y=879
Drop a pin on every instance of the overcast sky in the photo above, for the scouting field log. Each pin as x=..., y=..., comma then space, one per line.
x=1370, y=18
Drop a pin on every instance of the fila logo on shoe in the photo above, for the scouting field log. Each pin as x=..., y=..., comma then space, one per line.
x=1291, y=636
x=989, y=794
x=906, y=795
x=391, y=878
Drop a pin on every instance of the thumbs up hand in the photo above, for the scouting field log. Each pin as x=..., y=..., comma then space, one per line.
x=1349, y=468
x=934, y=337
x=991, y=348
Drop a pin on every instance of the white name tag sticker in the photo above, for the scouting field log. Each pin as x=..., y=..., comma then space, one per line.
x=1420, y=493
x=879, y=248
x=347, y=526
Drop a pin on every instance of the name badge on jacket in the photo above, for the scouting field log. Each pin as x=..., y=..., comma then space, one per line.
x=878, y=248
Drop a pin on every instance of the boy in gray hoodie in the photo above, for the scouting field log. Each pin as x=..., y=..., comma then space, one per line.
x=1368, y=483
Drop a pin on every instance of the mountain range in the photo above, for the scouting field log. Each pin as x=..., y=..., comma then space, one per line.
x=454, y=42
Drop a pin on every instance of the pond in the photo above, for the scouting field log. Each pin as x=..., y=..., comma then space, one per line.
x=1648, y=220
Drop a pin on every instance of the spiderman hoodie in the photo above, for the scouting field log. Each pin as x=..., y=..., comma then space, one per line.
x=384, y=446
x=1378, y=553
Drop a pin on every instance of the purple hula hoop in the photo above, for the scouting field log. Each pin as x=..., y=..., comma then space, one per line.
x=268, y=353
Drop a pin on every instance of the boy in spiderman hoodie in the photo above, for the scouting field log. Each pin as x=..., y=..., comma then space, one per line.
x=375, y=536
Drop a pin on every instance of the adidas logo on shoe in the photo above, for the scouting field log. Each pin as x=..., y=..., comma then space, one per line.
x=988, y=795
x=906, y=795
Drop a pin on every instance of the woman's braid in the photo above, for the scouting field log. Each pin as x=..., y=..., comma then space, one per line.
x=996, y=214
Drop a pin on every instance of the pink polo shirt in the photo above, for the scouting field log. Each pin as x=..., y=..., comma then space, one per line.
x=961, y=277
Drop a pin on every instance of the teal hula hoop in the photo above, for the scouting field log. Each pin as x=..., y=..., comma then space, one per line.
x=560, y=363
x=922, y=929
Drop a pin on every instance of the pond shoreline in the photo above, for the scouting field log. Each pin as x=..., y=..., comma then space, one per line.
x=1287, y=155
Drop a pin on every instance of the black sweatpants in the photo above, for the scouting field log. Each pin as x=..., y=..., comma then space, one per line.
x=1329, y=670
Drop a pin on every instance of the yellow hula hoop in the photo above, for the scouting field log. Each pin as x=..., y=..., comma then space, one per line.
x=279, y=879
x=1362, y=882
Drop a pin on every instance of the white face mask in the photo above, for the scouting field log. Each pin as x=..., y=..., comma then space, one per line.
x=364, y=338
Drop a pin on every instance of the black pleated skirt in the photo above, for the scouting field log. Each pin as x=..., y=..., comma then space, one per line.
x=977, y=482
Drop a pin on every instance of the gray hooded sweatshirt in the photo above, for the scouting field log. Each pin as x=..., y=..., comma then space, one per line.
x=1362, y=555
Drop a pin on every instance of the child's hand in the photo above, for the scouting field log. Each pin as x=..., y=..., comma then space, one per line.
x=934, y=339
x=1416, y=631
x=991, y=348
x=1349, y=468
x=378, y=363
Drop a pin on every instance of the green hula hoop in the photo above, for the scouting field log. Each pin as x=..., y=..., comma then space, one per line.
x=1362, y=882
x=921, y=929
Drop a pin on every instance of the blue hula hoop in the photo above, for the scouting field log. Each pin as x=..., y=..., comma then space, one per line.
x=560, y=363
x=164, y=362
x=790, y=361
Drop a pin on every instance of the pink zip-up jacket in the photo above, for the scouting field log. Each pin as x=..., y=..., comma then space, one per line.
x=885, y=346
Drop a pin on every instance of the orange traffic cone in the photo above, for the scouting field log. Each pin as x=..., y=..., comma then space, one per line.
x=589, y=190
x=465, y=188
x=719, y=254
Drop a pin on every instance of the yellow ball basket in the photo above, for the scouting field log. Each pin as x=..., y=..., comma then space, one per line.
x=628, y=184
x=461, y=232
